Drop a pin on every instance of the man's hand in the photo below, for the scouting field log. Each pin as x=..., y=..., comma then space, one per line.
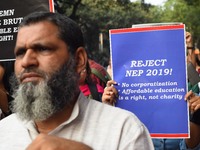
x=49, y=142
x=110, y=93
x=193, y=100
x=189, y=41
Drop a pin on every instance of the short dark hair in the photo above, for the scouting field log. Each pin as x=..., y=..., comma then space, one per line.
x=69, y=30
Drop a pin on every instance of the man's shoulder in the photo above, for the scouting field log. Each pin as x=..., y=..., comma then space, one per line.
x=11, y=123
x=110, y=113
x=13, y=134
x=10, y=120
x=120, y=125
x=9, y=126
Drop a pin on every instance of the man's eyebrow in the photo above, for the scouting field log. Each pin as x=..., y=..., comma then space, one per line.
x=18, y=48
x=44, y=44
x=33, y=46
x=36, y=45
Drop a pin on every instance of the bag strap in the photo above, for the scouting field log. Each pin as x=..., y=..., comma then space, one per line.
x=99, y=75
x=94, y=92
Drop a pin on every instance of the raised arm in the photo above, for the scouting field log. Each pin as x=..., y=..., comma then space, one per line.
x=194, y=105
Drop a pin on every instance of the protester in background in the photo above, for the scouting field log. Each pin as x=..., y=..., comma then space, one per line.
x=197, y=60
x=99, y=73
x=192, y=61
x=194, y=101
x=6, y=70
x=50, y=112
x=194, y=104
x=3, y=94
x=93, y=80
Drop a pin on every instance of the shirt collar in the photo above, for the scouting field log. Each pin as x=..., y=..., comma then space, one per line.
x=30, y=125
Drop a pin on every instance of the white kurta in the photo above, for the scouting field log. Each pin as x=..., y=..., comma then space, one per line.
x=98, y=125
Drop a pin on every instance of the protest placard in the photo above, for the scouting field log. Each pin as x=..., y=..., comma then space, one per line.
x=149, y=64
x=11, y=14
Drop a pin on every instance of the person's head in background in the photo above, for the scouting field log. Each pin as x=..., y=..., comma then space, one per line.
x=49, y=58
x=193, y=55
x=8, y=67
x=6, y=71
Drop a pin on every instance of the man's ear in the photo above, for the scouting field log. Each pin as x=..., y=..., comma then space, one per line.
x=81, y=59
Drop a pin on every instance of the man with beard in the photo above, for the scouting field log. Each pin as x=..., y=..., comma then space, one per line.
x=50, y=112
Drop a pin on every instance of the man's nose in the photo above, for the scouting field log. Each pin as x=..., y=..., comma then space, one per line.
x=29, y=59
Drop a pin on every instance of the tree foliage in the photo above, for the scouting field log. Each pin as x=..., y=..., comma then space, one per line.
x=99, y=16
x=185, y=11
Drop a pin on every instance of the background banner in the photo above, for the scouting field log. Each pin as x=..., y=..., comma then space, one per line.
x=11, y=14
x=149, y=64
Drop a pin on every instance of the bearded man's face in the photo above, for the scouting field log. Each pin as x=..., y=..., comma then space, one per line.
x=39, y=100
x=46, y=73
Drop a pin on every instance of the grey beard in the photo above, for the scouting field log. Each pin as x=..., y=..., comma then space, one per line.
x=33, y=102
x=40, y=101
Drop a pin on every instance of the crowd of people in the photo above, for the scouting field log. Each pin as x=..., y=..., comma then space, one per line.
x=46, y=95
